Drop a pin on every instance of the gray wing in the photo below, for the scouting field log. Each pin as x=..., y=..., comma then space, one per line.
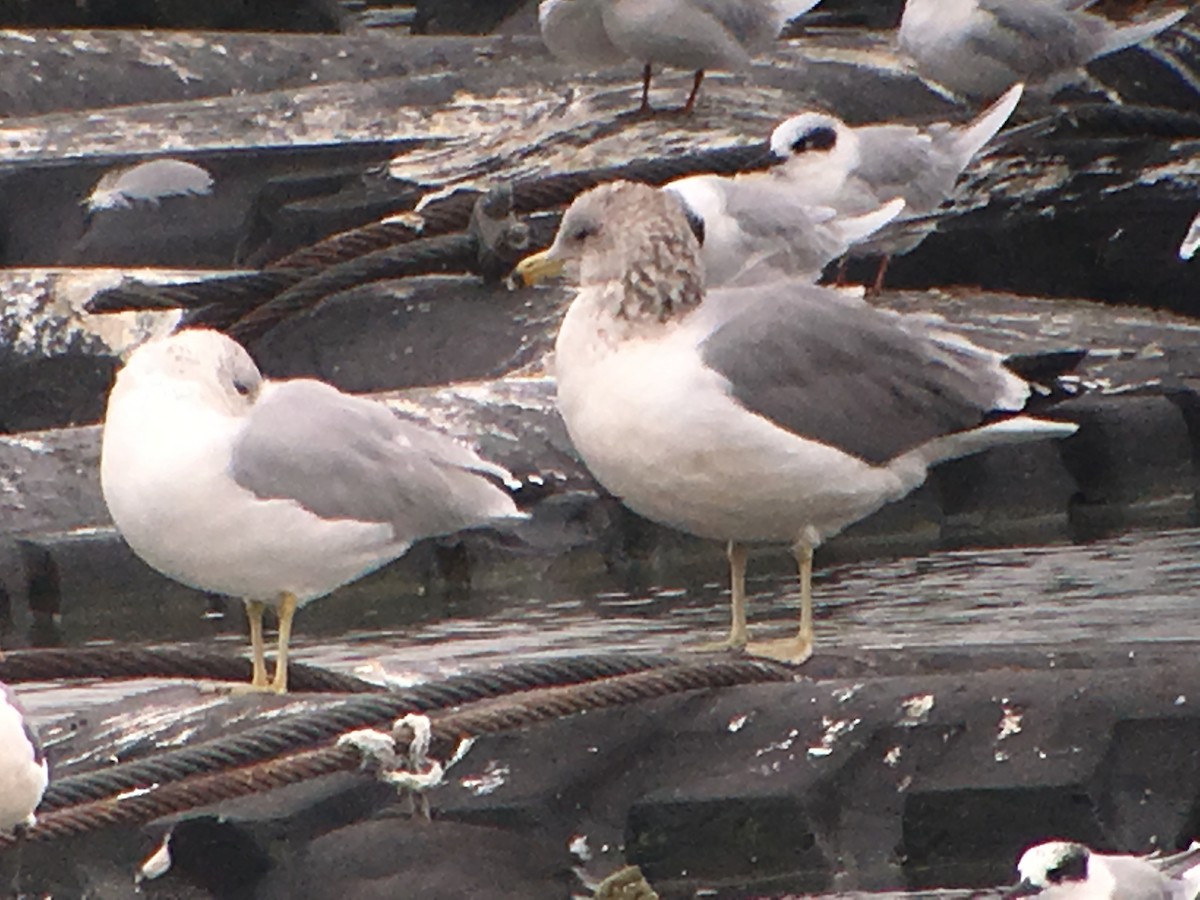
x=901, y=161
x=345, y=457
x=1138, y=879
x=845, y=374
x=1035, y=38
x=573, y=30
x=1175, y=865
x=754, y=24
x=790, y=235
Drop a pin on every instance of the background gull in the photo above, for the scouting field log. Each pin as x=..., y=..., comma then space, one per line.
x=686, y=34
x=752, y=229
x=825, y=162
x=274, y=491
x=978, y=48
x=781, y=412
x=23, y=773
x=573, y=30
x=149, y=182
x=1065, y=870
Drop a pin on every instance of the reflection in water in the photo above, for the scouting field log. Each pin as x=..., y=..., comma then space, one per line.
x=1138, y=587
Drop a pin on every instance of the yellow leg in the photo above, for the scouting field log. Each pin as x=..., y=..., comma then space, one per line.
x=804, y=558
x=287, y=612
x=254, y=612
x=798, y=649
x=738, y=634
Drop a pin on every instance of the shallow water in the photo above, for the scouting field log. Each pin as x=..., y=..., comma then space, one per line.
x=1139, y=587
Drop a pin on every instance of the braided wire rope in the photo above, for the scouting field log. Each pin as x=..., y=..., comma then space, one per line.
x=311, y=727
x=485, y=716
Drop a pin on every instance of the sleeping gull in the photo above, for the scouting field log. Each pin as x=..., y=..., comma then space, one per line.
x=1065, y=870
x=277, y=492
x=781, y=412
x=686, y=34
x=148, y=182
x=823, y=161
x=23, y=772
x=978, y=48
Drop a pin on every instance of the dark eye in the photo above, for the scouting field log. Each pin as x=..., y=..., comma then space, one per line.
x=242, y=387
x=817, y=139
x=582, y=233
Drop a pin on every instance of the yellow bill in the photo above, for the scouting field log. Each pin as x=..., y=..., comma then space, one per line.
x=537, y=268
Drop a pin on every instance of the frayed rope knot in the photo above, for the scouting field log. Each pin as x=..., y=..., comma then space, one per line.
x=410, y=770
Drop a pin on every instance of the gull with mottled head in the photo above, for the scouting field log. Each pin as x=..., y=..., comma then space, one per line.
x=781, y=412
x=277, y=492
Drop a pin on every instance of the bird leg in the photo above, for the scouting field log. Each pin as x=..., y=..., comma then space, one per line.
x=737, y=595
x=691, y=100
x=738, y=634
x=645, y=109
x=877, y=287
x=804, y=559
x=843, y=264
x=258, y=681
x=287, y=612
x=797, y=649
x=254, y=612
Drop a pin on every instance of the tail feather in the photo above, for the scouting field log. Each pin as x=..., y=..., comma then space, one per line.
x=1191, y=240
x=1128, y=35
x=790, y=9
x=856, y=228
x=1017, y=430
x=971, y=139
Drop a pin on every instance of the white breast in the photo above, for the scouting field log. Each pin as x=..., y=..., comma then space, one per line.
x=22, y=778
x=164, y=475
x=660, y=430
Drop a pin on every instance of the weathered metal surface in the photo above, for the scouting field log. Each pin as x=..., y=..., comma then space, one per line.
x=876, y=770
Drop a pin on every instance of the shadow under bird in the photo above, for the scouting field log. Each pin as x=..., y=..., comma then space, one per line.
x=855, y=170
x=23, y=772
x=277, y=492
x=1065, y=870
x=685, y=34
x=781, y=412
x=979, y=48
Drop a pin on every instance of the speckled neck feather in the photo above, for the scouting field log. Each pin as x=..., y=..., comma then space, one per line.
x=664, y=281
x=650, y=252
